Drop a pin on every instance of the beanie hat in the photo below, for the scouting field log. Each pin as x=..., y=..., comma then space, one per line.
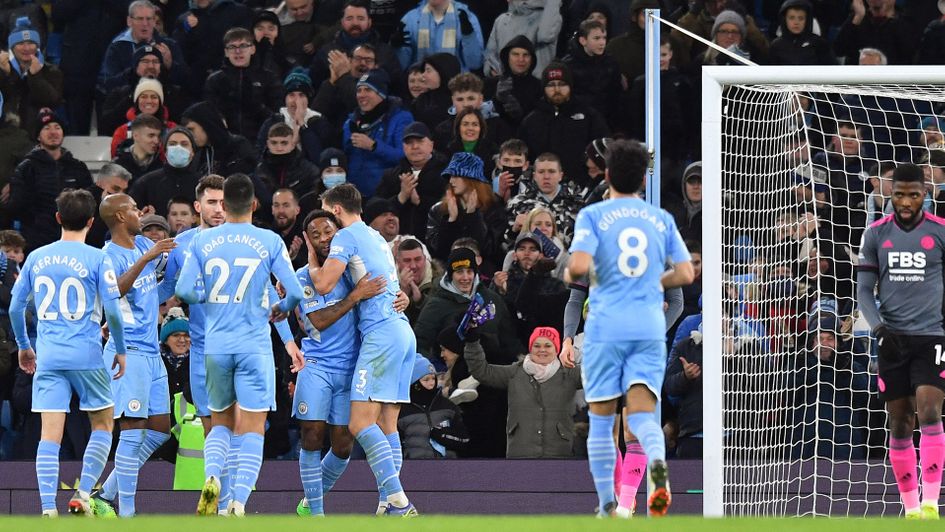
x=21, y=32
x=597, y=151
x=333, y=157
x=375, y=207
x=378, y=80
x=421, y=367
x=149, y=84
x=47, y=116
x=556, y=71
x=729, y=17
x=461, y=258
x=142, y=51
x=547, y=332
x=930, y=121
x=464, y=164
x=449, y=339
x=299, y=81
x=176, y=322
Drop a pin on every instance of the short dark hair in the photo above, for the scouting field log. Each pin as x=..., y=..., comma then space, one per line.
x=238, y=194
x=209, y=182
x=908, y=173
x=881, y=168
x=238, y=34
x=12, y=239
x=75, y=207
x=280, y=129
x=694, y=246
x=363, y=4
x=514, y=147
x=344, y=195
x=148, y=121
x=319, y=213
x=585, y=28
x=627, y=161
x=549, y=157
x=183, y=201
x=467, y=242
x=409, y=244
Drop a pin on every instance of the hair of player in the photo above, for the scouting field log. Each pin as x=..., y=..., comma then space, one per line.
x=908, y=173
x=112, y=170
x=467, y=242
x=12, y=239
x=465, y=82
x=589, y=25
x=238, y=34
x=290, y=192
x=627, y=161
x=319, y=213
x=463, y=114
x=181, y=200
x=345, y=196
x=146, y=121
x=238, y=194
x=408, y=244
x=75, y=207
x=208, y=182
x=514, y=147
x=280, y=129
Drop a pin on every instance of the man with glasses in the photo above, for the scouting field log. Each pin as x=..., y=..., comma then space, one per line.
x=336, y=95
x=142, y=16
x=356, y=28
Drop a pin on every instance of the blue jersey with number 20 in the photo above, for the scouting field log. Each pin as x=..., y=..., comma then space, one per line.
x=631, y=242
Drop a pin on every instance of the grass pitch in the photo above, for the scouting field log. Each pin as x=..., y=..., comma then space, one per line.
x=440, y=523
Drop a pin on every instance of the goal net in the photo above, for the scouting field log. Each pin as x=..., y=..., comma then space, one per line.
x=795, y=172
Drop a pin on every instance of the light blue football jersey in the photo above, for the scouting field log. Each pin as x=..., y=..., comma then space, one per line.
x=195, y=312
x=335, y=349
x=631, y=242
x=139, y=307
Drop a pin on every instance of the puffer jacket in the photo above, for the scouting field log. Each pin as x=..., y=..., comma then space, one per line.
x=246, y=97
x=365, y=168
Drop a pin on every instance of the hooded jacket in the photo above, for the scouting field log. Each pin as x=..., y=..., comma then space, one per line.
x=432, y=107
x=687, y=213
x=225, y=153
x=515, y=95
x=160, y=186
x=538, y=20
x=596, y=81
x=245, y=97
x=805, y=48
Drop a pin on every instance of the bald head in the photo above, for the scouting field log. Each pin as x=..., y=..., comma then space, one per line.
x=113, y=205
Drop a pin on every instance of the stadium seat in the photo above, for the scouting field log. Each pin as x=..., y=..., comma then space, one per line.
x=93, y=151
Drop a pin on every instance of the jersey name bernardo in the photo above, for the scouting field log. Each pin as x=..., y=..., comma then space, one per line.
x=235, y=238
x=55, y=260
x=906, y=266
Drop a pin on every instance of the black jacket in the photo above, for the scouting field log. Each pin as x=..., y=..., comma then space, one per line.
x=225, y=153
x=87, y=28
x=385, y=57
x=160, y=186
x=486, y=228
x=596, y=81
x=806, y=48
x=246, y=97
x=33, y=189
x=432, y=107
x=126, y=160
x=514, y=95
x=688, y=392
x=203, y=45
x=118, y=101
x=273, y=172
x=430, y=187
x=565, y=131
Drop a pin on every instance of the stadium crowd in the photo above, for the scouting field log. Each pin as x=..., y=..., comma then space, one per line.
x=475, y=133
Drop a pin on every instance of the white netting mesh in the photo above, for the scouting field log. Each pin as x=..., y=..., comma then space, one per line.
x=804, y=431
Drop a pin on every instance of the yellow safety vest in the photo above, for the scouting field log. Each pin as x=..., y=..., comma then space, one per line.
x=188, y=429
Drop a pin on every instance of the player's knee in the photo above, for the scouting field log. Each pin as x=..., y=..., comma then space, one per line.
x=341, y=442
x=901, y=425
x=312, y=437
x=929, y=414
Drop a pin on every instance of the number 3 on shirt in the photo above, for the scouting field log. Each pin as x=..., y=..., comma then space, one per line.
x=629, y=252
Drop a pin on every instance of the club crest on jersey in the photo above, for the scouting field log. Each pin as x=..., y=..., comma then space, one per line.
x=308, y=292
x=303, y=408
x=134, y=405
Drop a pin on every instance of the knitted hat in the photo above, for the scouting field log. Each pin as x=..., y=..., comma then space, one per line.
x=930, y=121
x=176, y=322
x=597, y=152
x=421, y=367
x=557, y=71
x=449, y=339
x=461, y=258
x=23, y=31
x=299, y=81
x=547, y=332
x=149, y=84
x=464, y=164
x=47, y=116
x=333, y=157
x=729, y=17
x=375, y=207
x=378, y=80
x=144, y=50
x=155, y=219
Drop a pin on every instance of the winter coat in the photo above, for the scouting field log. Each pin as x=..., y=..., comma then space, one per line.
x=895, y=37
x=335, y=102
x=805, y=48
x=687, y=394
x=932, y=48
x=15, y=143
x=468, y=48
x=126, y=160
x=678, y=111
x=157, y=188
x=202, y=45
x=430, y=416
x=87, y=27
x=365, y=168
x=688, y=216
x=225, y=153
x=514, y=96
x=432, y=107
x=122, y=133
x=385, y=56
x=317, y=134
x=538, y=20
x=487, y=228
x=120, y=54
x=274, y=172
x=430, y=187
x=24, y=96
x=540, y=422
x=535, y=298
x=246, y=97
x=700, y=23
x=565, y=206
x=117, y=102
x=565, y=131
x=597, y=81
x=35, y=184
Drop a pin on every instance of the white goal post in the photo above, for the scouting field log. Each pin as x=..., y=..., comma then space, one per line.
x=771, y=483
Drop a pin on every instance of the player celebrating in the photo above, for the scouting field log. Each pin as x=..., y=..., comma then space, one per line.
x=903, y=252
x=235, y=261
x=385, y=360
x=141, y=397
x=627, y=242
x=70, y=282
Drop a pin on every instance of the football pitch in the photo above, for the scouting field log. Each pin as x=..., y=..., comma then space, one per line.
x=440, y=523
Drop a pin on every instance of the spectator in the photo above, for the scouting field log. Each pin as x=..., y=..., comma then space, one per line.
x=46, y=171
x=693, y=293
x=181, y=215
x=516, y=89
x=596, y=161
x=618, y=14
x=337, y=96
x=200, y=29
x=217, y=150
x=417, y=272
x=15, y=143
x=415, y=84
x=244, y=93
x=560, y=124
x=282, y=166
x=541, y=395
x=469, y=208
x=683, y=382
x=466, y=93
x=932, y=47
x=111, y=179
x=432, y=107
x=142, y=16
x=539, y=21
x=542, y=219
x=270, y=50
x=334, y=164
x=299, y=30
x=845, y=197
x=155, y=227
x=512, y=172
x=148, y=100
x=546, y=190
x=373, y=134
x=176, y=178
x=143, y=154
x=146, y=65
x=798, y=44
x=415, y=184
x=430, y=425
x=175, y=350
x=729, y=32
x=12, y=245
x=872, y=56
x=27, y=81
x=356, y=29
x=313, y=131
x=471, y=135
x=288, y=224
x=629, y=49
x=597, y=81
x=702, y=21
x=877, y=25
x=677, y=110
x=688, y=214
x=440, y=26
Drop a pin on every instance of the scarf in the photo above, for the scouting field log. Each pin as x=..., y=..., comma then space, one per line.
x=309, y=114
x=539, y=372
x=365, y=122
x=39, y=55
x=428, y=28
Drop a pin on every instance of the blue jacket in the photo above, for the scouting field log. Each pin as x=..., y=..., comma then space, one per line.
x=469, y=48
x=365, y=168
x=120, y=53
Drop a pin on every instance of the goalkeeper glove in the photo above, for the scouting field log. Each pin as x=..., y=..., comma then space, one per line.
x=890, y=347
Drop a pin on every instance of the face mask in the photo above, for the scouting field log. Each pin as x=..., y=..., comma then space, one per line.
x=178, y=156
x=331, y=180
